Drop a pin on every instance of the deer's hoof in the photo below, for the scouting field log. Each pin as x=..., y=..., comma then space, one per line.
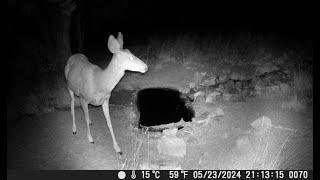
x=74, y=132
x=120, y=153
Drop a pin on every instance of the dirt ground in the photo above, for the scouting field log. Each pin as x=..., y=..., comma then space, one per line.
x=46, y=142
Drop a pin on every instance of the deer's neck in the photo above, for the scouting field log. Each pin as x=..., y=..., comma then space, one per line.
x=111, y=75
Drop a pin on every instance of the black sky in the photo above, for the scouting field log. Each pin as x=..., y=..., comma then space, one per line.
x=279, y=17
x=141, y=19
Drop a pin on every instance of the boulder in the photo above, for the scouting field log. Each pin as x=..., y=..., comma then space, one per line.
x=171, y=145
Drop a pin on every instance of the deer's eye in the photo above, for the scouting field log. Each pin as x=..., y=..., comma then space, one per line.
x=131, y=57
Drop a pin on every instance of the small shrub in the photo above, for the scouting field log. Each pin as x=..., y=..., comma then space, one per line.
x=303, y=83
x=293, y=103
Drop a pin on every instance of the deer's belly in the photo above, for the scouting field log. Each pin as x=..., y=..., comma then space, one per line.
x=99, y=99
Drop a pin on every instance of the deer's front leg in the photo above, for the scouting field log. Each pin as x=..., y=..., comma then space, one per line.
x=105, y=107
x=86, y=114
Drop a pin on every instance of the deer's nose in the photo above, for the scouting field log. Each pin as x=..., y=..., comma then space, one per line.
x=146, y=69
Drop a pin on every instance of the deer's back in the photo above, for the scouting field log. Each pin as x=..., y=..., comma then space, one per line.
x=80, y=75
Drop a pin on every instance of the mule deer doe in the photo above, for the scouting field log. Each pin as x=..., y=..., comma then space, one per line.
x=94, y=85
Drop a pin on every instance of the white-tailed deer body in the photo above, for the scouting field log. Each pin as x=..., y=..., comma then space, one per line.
x=94, y=85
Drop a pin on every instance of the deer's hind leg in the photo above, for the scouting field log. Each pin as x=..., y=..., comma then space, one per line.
x=74, y=128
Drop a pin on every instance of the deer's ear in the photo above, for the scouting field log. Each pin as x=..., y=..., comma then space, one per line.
x=113, y=45
x=120, y=40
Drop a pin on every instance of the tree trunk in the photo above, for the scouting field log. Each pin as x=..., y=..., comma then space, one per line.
x=63, y=48
x=62, y=19
x=79, y=32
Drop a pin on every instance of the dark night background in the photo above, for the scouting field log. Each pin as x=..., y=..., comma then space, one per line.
x=139, y=20
x=288, y=20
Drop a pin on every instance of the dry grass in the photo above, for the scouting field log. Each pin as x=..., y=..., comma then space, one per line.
x=272, y=148
x=132, y=161
x=292, y=102
x=303, y=83
x=302, y=86
x=187, y=48
x=272, y=143
x=285, y=149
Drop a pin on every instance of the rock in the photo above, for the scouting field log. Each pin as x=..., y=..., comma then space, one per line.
x=229, y=84
x=199, y=93
x=284, y=88
x=170, y=132
x=171, y=145
x=242, y=76
x=226, y=71
x=219, y=112
x=192, y=85
x=263, y=69
x=223, y=78
x=226, y=96
x=211, y=89
x=184, y=90
x=245, y=84
x=261, y=89
x=221, y=87
x=208, y=120
x=262, y=122
x=209, y=99
x=287, y=71
x=209, y=82
x=258, y=89
x=197, y=78
x=276, y=82
x=200, y=99
x=275, y=88
x=288, y=76
x=203, y=116
x=274, y=68
x=256, y=81
x=205, y=82
x=233, y=91
x=214, y=94
x=235, y=76
x=203, y=74
x=238, y=85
